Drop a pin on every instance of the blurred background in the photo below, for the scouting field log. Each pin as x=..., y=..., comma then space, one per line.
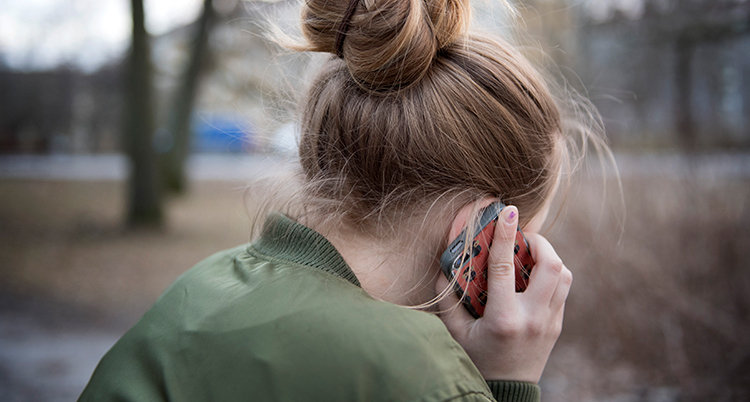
x=130, y=131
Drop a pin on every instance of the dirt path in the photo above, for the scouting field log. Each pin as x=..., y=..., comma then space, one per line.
x=48, y=349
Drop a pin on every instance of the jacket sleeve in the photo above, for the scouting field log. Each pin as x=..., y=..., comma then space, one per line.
x=502, y=391
x=515, y=391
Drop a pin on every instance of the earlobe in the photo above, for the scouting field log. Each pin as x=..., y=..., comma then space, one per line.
x=465, y=213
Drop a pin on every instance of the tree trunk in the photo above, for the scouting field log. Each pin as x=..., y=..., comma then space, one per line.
x=144, y=202
x=182, y=106
x=684, y=49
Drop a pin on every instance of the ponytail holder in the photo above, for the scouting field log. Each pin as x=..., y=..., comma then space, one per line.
x=341, y=33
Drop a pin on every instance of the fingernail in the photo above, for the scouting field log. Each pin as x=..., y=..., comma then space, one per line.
x=510, y=218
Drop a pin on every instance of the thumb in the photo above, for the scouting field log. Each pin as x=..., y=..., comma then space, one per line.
x=501, y=281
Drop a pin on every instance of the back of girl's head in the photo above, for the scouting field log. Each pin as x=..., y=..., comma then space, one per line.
x=417, y=109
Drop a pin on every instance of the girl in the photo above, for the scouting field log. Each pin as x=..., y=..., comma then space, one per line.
x=411, y=127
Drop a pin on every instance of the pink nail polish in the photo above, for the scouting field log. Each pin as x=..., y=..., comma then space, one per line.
x=511, y=218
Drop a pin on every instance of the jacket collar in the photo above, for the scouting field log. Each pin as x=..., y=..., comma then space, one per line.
x=286, y=239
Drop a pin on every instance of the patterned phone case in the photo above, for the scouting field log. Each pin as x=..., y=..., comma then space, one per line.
x=469, y=265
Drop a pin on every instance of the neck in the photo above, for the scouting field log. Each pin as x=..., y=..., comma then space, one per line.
x=400, y=272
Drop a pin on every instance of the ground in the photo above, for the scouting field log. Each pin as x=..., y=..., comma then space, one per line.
x=657, y=312
x=73, y=279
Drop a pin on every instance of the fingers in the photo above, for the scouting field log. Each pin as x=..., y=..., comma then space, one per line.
x=513, y=340
x=501, y=279
x=562, y=290
x=547, y=270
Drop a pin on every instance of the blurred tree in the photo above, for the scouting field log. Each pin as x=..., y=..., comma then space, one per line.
x=144, y=199
x=676, y=68
x=36, y=110
x=690, y=24
x=173, y=164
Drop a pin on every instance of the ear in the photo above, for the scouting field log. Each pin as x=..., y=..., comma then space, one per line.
x=464, y=214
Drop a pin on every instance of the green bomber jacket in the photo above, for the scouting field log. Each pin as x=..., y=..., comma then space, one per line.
x=285, y=319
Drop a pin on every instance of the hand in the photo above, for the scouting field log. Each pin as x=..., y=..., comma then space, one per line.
x=514, y=338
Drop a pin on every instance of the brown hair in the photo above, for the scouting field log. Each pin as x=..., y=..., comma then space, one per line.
x=418, y=108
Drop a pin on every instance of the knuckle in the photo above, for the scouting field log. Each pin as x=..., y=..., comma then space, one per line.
x=556, y=264
x=506, y=327
x=535, y=328
x=567, y=277
x=501, y=268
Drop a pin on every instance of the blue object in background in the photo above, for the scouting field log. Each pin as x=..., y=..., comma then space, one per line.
x=222, y=133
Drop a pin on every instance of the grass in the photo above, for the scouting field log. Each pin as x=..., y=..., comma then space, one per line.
x=660, y=306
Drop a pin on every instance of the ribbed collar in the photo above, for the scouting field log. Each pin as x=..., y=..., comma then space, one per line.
x=282, y=238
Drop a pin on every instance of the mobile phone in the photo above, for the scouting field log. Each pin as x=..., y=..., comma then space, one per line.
x=468, y=265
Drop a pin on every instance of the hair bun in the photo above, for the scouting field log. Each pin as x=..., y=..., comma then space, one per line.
x=389, y=43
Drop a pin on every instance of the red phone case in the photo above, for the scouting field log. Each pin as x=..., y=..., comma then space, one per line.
x=470, y=268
